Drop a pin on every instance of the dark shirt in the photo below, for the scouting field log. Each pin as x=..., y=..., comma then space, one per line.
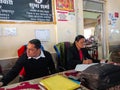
x=73, y=57
x=34, y=68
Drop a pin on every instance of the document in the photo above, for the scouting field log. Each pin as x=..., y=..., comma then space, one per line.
x=81, y=67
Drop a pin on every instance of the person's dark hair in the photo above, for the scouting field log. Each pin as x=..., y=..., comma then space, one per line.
x=36, y=42
x=77, y=38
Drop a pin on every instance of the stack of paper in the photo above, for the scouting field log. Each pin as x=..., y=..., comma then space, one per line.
x=81, y=67
x=59, y=82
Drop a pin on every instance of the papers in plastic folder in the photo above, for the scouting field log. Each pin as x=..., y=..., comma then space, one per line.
x=81, y=67
x=59, y=82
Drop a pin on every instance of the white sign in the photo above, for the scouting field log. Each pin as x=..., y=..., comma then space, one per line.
x=9, y=32
x=0, y=32
x=42, y=34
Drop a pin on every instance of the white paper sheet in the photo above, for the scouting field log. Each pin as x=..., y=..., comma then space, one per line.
x=10, y=31
x=81, y=67
x=43, y=34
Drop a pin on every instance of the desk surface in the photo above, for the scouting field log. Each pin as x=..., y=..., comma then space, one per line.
x=36, y=81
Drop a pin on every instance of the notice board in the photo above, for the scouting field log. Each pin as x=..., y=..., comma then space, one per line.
x=27, y=10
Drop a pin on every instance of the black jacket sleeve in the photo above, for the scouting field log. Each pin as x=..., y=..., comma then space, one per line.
x=14, y=71
x=73, y=57
x=51, y=64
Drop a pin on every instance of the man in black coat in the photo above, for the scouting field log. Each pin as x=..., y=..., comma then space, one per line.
x=37, y=63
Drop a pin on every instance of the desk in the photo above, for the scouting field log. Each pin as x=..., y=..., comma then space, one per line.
x=36, y=81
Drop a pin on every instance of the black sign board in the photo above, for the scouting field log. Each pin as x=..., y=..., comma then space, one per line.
x=26, y=10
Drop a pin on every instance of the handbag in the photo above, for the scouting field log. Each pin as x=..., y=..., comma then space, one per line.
x=100, y=76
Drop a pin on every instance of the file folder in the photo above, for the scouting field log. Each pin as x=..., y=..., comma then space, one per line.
x=59, y=82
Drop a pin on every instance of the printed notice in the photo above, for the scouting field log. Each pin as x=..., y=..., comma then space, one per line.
x=43, y=35
x=26, y=10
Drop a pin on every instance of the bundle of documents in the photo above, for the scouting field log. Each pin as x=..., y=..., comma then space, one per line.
x=59, y=82
x=81, y=67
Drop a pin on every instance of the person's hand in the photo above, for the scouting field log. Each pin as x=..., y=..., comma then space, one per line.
x=88, y=61
x=1, y=84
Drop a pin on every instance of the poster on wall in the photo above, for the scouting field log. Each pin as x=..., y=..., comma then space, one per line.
x=62, y=16
x=26, y=10
x=66, y=5
x=113, y=18
x=42, y=34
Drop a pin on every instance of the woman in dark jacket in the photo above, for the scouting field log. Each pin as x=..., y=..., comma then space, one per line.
x=78, y=54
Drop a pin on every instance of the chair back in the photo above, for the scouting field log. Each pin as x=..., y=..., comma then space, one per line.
x=61, y=50
x=21, y=50
x=1, y=69
x=1, y=73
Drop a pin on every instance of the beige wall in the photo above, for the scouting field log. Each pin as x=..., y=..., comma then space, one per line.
x=67, y=30
x=114, y=37
x=61, y=31
x=25, y=32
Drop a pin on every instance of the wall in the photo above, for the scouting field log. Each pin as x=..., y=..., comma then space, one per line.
x=114, y=30
x=114, y=22
x=67, y=30
x=61, y=31
x=25, y=32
